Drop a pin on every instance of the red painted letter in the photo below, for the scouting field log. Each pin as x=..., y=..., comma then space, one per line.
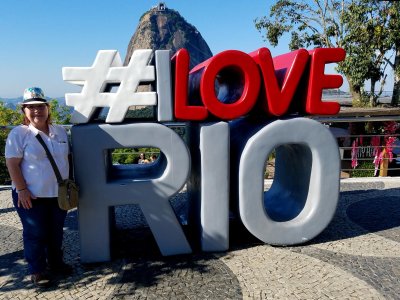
x=319, y=81
x=230, y=61
x=289, y=68
x=182, y=110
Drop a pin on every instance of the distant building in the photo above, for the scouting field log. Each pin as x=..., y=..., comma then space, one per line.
x=160, y=7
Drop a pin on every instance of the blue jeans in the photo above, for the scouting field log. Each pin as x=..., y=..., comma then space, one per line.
x=42, y=232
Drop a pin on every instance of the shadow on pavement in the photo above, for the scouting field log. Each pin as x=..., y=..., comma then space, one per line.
x=379, y=214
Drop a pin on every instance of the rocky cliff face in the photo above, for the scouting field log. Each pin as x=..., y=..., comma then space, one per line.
x=163, y=28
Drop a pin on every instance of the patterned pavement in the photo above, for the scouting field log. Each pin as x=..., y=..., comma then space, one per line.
x=356, y=257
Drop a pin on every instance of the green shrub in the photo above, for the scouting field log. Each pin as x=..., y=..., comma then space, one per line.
x=4, y=176
x=125, y=156
x=364, y=169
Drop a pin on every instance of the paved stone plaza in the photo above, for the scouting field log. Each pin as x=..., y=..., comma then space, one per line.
x=356, y=257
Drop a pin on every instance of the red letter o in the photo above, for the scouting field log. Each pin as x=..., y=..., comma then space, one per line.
x=230, y=59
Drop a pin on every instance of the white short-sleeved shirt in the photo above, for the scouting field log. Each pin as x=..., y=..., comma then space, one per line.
x=36, y=168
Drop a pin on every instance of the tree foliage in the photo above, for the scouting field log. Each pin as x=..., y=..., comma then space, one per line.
x=131, y=155
x=60, y=114
x=310, y=23
x=394, y=38
x=8, y=117
x=367, y=29
x=372, y=30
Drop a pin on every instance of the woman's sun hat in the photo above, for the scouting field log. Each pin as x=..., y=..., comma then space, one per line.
x=34, y=95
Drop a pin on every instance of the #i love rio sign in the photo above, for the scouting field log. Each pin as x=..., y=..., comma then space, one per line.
x=237, y=108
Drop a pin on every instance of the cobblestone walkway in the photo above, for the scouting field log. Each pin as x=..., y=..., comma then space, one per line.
x=356, y=257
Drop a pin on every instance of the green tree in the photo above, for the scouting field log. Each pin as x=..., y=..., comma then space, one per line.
x=372, y=33
x=124, y=156
x=8, y=117
x=358, y=26
x=60, y=114
x=394, y=37
x=131, y=155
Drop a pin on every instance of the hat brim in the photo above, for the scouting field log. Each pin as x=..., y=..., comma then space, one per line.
x=34, y=101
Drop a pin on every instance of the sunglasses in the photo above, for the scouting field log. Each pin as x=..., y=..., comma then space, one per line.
x=36, y=106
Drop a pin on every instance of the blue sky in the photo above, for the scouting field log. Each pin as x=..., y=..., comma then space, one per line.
x=39, y=37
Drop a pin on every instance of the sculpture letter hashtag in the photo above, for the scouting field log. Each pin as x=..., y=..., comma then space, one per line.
x=108, y=69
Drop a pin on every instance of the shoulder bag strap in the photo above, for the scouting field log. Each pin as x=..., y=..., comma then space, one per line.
x=51, y=159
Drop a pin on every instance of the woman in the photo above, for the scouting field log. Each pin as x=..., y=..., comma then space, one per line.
x=142, y=159
x=35, y=187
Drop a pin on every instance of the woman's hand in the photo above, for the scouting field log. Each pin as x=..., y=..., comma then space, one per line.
x=25, y=199
x=24, y=195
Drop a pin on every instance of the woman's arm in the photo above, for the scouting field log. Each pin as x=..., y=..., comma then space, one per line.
x=24, y=195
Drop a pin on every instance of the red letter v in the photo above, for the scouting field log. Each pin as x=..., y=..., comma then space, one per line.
x=289, y=68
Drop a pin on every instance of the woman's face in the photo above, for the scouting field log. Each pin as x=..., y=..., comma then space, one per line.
x=37, y=114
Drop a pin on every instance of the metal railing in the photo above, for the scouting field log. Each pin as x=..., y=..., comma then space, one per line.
x=367, y=154
x=364, y=152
